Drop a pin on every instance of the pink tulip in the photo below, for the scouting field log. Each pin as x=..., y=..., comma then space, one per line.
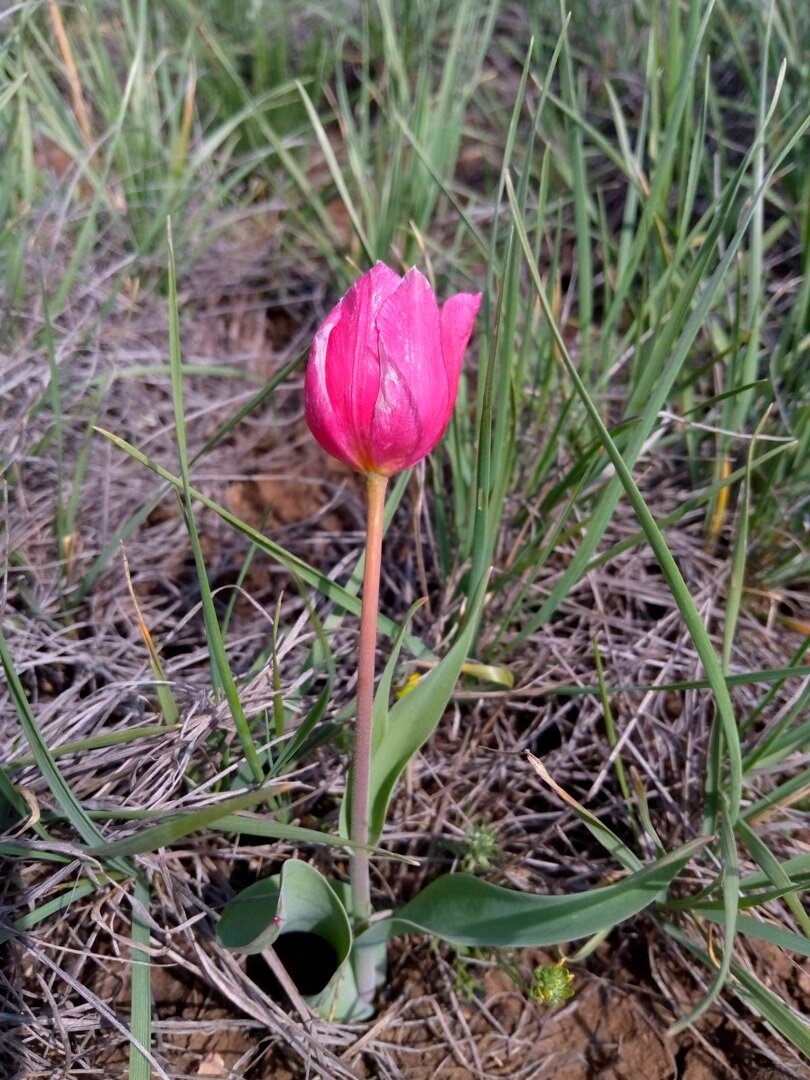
x=383, y=371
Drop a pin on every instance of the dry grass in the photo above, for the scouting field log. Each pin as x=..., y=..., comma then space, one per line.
x=249, y=304
x=65, y=984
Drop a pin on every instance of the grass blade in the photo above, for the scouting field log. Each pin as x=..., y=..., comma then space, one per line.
x=669, y=567
x=220, y=667
x=140, y=1067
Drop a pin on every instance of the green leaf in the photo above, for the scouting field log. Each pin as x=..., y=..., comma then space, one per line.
x=412, y=720
x=669, y=567
x=140, y=515
x=768, y=862
x=140, y=1066
x=744, y=678
x=220, y=665
x=297, y=900
x=798, y=865
x=71, y=892
x=465, y=910
x=765, y=931
x=382, y=713
x=13, y=807
x=63, y=793
x=777, y=1012
x=606, y=837
x=179, y=825
x=731, y=901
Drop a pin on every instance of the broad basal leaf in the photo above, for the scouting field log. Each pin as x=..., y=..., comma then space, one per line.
x=465, y=910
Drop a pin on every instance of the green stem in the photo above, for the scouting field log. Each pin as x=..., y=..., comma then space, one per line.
x=361, y=769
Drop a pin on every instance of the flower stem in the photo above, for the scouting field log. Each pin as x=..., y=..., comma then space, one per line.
x=361, y=770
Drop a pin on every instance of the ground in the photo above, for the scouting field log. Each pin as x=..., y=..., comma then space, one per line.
x=113, y=722
x=443, y=1015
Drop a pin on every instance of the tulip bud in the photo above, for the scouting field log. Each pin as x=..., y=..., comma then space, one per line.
x=383, y=370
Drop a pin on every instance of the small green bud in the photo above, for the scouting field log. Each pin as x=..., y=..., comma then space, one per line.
x=481, y=848
x=551, y=984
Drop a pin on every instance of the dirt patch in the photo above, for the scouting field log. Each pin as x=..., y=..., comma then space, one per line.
x=613, y=1029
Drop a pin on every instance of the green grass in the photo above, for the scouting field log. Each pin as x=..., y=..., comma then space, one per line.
x=633, y=200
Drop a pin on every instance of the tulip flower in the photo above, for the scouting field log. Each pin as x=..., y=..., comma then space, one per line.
x=381, y=383
x=383, y=370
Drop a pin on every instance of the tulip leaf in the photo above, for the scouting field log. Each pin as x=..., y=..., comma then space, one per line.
x=411, y=721
x=344, y=1003
x=382, y=713
x=466, y=911
x=299, y=899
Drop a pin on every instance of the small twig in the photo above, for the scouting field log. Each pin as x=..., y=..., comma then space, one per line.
x=287, y=985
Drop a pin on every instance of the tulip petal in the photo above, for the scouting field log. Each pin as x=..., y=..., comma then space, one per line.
x=328, y=428
x=415, y=398
x=457, y=320
x=353, y=363
x=383, y=371
x=342, y=378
